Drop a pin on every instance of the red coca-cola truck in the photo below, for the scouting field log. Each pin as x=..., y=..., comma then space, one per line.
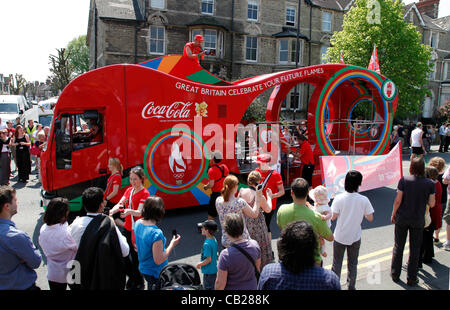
x=167, y=115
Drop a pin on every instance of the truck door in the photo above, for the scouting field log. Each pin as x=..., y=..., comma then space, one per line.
x=81, y=152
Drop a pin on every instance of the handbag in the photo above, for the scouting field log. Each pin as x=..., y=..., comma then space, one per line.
x=257, y=274
x=34, y=150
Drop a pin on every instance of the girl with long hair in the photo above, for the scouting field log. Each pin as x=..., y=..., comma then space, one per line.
x=229, y=203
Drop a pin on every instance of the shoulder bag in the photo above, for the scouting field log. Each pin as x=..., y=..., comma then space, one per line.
x=248, y=257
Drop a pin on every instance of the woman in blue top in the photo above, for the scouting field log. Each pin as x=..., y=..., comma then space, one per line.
x=150, y=241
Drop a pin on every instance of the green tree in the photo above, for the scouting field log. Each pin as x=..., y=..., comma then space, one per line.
x=16, y=83
x=402, y=57
x=61, y=69
x=78, y=54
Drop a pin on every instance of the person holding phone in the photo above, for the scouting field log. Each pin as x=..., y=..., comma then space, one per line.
x=151, y=243
x=257, y=226
x=272, y=180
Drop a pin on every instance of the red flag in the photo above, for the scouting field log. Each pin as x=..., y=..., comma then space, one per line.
x=374, y=65
x=342, y=58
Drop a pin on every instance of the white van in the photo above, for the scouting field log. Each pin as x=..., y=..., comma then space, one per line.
x=11, y=107
x=45, y=111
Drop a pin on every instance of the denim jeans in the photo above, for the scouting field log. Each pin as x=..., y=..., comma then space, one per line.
x=209, y=281
x=151, y=282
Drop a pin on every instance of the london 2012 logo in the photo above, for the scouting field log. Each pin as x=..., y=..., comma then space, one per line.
x=176, y=160
x=176, y=163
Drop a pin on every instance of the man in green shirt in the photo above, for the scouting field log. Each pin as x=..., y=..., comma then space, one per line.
x=298, y=210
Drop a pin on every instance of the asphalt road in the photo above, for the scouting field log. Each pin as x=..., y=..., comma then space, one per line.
x=375, y=252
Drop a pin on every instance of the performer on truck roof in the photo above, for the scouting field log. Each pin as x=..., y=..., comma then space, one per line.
x=194, y=50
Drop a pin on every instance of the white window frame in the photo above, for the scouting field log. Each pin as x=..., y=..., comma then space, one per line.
x=292, y=45
x=246, y=41
x=157, y=39
x=253, y=3
x=326, y=22
x=290, y=7
x=154, y=5
x=287, y=41
x=208, y=35
x=437, y=39
x=208, y=3
x=446, y=70
x=219, y=40
x=322, y=53
x=432, y=74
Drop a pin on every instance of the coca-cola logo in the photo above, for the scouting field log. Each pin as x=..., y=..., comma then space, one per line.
x=177, y=110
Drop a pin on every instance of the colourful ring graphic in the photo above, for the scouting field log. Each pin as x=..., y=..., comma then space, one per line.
x=338, y=78
x=361, y=99
x=153, y=147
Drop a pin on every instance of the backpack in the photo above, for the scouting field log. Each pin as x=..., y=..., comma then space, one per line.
x=222, y=171
x=179, y=277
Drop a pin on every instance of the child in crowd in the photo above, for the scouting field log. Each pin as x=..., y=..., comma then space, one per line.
x=320, y=197
x=39, y=145
x=208, y=265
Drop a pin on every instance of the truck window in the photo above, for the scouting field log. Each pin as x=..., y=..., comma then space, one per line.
x=75, y=132
x=87, y=131
x=63, y=144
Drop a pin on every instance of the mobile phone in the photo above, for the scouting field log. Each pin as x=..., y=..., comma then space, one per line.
x=174, y=232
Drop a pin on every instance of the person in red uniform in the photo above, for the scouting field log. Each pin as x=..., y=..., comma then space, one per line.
x=130, y=206
x=274, y=182
x=194, y=50
x=216, y=175
x=307, y=159
x=112, y=192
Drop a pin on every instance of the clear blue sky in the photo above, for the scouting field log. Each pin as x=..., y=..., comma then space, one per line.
x=31, y=30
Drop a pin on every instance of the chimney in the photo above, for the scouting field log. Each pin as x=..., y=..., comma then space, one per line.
x=428, y=7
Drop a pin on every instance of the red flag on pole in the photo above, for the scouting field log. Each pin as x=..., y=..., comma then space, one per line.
x=342, y=58
x=374, y=65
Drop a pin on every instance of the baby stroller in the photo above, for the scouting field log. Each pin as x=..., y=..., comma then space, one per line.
x=179, y=277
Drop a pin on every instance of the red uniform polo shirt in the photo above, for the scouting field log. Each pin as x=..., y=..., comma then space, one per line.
x=215, y=174
x=274, y=181
x=137, y=199
x=306, y=153
x=115, y=179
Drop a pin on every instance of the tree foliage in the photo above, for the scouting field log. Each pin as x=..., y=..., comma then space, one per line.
x=16, y=83
x=61, y=69
x=78, y=54
x=402, y=57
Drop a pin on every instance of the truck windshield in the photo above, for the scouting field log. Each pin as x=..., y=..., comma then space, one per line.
x=9, y=108
x=45, y=120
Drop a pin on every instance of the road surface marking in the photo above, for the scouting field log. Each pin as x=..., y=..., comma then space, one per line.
x=376, y=253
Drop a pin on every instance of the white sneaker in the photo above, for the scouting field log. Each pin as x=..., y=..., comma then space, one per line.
x=446, y=245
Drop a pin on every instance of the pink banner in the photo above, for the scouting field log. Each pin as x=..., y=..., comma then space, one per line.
x=378, y=171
